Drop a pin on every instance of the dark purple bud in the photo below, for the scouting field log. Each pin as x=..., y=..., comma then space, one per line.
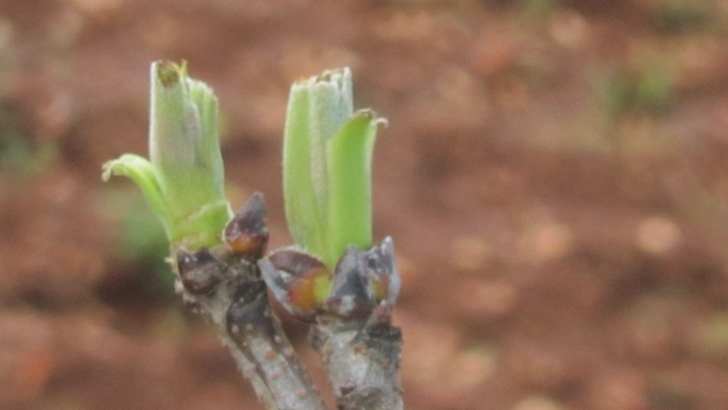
x=247, y=233
x=200, y=271
x=350, y=295
x=365, y=282
x=384, y=282
x=296, y=280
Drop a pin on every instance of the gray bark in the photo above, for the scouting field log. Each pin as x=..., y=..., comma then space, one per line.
x=352, y=330
x=223, y=285
x=362, y=362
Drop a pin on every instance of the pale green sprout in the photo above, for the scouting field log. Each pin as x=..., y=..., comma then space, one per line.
x=183, y=181
x=327, y=155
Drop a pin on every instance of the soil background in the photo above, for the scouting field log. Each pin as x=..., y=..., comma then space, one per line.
x=554, y=173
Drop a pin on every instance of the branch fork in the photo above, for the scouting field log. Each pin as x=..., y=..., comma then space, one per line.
x=351, y=331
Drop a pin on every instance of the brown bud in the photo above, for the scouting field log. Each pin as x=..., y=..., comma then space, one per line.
x=293, y=278
x=247, y=233
x=200, y=271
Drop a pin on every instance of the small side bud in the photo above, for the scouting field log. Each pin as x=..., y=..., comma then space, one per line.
x=350, y=296
x=247, y=233
x=384, y=282
x=183, y=179
x=200, y=271
x=365, y=281
x=299, y=281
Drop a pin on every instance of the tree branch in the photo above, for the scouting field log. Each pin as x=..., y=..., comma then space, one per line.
x=352, y=328
x=362, y=362
x=223, y=285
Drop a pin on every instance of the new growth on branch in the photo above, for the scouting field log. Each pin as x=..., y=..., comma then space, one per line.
x=334, y=277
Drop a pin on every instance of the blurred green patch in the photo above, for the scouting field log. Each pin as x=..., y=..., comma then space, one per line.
x=710, y=338
x=538, y=8
x=15, y=151
x=142, y=235
x=143, y=244
x=144, y=241
x=19, y=154
x=668, y=398
x=680, y=16
x=646, y=88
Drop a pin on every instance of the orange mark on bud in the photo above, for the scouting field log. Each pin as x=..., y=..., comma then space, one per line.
x=380, y=287
x=248, y=245
x=303, y=292
x=246, y=233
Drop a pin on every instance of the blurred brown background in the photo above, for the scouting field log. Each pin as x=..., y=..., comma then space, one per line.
x=555, y=176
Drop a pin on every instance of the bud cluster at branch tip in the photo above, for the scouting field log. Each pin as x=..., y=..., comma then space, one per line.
x=183, y=179
x=327, y=156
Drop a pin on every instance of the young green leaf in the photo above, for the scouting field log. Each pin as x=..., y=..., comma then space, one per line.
x=184, y=179
x=142, y=172
x=349, y=159
x=317, y=109
x=305, y=220
x=327, y=152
